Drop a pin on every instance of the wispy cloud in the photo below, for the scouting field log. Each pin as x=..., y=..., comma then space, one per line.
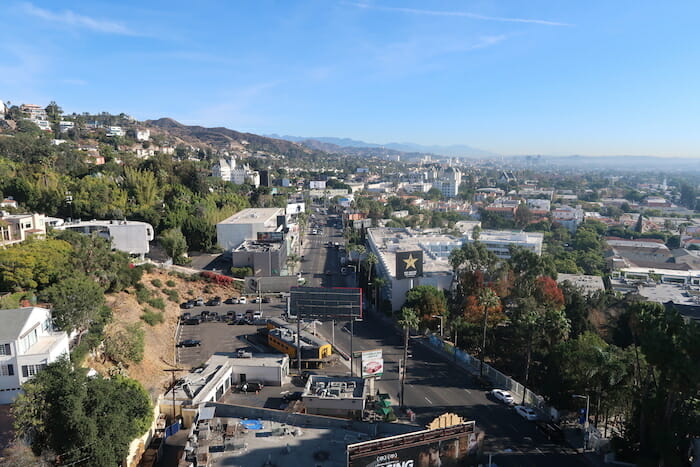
x=71, y=19
x=461, y=14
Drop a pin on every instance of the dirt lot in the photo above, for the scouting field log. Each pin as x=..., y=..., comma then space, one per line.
x=159, y=339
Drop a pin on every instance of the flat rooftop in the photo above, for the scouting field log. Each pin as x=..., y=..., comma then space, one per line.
x=334, y=387
x=254, y=246
x=589, y=284
x=254, y=216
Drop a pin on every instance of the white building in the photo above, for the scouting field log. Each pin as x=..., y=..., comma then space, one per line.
x=245, y=225
x=143, y=135
x=16, y=228
x=228, y=171
x=335, y=396
x=65, y=125
x=436, y=248
x=3, y=110
x=34, y=112
x=568, y=217
x=449, y=182
x=28, y=342
x=115, y=131
x=131, y=237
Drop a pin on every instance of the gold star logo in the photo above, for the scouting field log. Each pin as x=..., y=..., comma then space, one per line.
x=410, y=262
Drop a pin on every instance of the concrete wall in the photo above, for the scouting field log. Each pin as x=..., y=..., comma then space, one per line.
x=318, y=421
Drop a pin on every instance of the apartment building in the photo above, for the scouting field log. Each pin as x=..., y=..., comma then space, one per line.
x=28, y=342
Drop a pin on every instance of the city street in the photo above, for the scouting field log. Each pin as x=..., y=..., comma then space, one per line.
x=433, y=386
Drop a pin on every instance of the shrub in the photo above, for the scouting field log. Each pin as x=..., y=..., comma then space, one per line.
x=172, y=294
x=157, y=303
x=157, y=283
x=148, y=267
x=143, y=295
x=207, y=289
x=152, y=317
x=170, y=283
x=241, y=273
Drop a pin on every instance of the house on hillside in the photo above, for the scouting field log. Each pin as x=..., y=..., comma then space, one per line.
x=28, y=342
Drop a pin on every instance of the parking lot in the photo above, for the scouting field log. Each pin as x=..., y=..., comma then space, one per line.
x=219, y=335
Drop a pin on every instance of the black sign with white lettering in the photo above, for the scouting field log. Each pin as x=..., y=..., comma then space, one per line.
x=409, y=264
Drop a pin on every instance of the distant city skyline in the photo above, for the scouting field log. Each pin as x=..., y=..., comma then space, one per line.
x=544, y=77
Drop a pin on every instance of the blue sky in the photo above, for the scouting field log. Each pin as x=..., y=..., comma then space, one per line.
x=513, y=77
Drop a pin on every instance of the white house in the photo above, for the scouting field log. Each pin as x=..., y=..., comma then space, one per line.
x=228, y=171
x=28, y=342
x=131, y=237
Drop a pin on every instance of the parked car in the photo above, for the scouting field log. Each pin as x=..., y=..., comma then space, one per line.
x=199, y=301
x=204, y=314
x=214, y=316
x=526, y=412
x=185, y=316
x=292, y=396
x=188, y=304
x=328, y=272
x=256, y=300
x=257, y=315
x=552, y=431
x=242, y=300
x=266, y=300
x=193, y=320
x=232, y=300
x=189, y=343
x=216, y=301
x=503, y=396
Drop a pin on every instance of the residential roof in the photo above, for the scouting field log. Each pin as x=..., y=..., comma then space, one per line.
x=253, y=215
x=13, y=321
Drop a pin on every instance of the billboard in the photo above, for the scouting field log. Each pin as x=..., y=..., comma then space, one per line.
x=317, y=184
x=409, y=264
x=372, y=363
x=325, y=303
x=271, y=237
x=447, y=447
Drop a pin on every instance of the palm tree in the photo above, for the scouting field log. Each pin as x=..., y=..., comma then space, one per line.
x=488, y=300
x=409, y=319
x=371, y=261
x=292, y=261
x=377, y=284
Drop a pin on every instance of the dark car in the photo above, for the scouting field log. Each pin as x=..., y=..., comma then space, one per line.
x=193, y=320
x=292, y=396
x=205, y=314
x=266, y=300
x=186, y=315
x=188, y=304
x=552, y=431
x=216, y=301
x=328, y=273
x=213, y=316
x=190, y=343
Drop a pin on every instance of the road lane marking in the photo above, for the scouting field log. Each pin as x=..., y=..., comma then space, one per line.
x=429, y=402
x=468, y=391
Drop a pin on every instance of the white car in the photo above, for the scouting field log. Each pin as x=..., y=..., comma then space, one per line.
x=234, y=300
x=242, y=300
x=526, y=412
x=503, y=396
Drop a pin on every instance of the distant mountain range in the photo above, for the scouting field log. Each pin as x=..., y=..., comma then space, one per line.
x=456, y=150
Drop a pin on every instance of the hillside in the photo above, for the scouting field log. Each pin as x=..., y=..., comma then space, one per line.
x=225, y=139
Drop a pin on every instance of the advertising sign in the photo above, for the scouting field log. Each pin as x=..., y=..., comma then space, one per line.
x=326, y=303
x=372, y=363
x=271, y=237
x=317, y=184
x=409, y=264
x=295, y=208
x=445, y=447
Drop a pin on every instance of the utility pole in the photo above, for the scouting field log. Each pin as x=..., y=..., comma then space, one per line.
x=174, y=371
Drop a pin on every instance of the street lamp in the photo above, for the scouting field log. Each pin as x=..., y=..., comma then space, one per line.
x=441, y=323
x=585, y=422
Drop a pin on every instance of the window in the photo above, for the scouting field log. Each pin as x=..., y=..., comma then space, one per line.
x=7, y=370
x=31, y=370
x=28, y=341
x=5, y=349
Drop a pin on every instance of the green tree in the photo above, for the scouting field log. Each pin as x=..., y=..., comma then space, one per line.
x=75, y=301
x=488, y=301
x=34, y=264
x=427, y=301
x=174, y=243
x=81, y=419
